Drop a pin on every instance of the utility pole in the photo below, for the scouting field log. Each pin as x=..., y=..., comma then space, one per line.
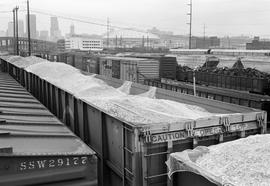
x=204, y=36
x=108, y=30
x=229, y=42
x=28, y=26
x=115, y=41
x=14, y=31
x=121, y=41
x=147, y=41
x=190, y=22
x=17, y=34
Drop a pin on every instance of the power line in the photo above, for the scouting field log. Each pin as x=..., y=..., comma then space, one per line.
x=118, y=23
x=71, y=15
x=69, y=18
x=84, y=21
x=3, y=12
x=88, y=22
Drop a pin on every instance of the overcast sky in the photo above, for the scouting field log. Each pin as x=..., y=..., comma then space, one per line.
x=221, y=17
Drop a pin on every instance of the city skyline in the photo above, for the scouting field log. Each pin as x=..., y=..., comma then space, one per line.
x=55, y=29
x=230, y=20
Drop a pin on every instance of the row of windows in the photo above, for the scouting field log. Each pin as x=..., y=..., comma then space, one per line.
x=92, y=41
x=92, y=47
x=22, y=43
x=91, y=44
x=84, y=47
x=85, y=41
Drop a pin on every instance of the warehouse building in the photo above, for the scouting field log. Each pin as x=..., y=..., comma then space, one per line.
x=256, y=44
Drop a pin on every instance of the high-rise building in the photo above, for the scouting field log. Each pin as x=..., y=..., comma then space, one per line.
x=72, y=30
x=37, y=34
x=10, y=29
x=44, y=35
x=33, y=26
x=2, y=33
x=20, y=28
x=55, y=31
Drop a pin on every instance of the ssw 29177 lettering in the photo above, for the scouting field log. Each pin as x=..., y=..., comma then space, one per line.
x=48, y=163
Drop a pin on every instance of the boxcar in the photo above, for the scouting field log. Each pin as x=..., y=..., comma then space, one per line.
x=36, y=148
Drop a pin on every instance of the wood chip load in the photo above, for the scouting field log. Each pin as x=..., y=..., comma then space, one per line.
x=139, y=109
x=243, y=162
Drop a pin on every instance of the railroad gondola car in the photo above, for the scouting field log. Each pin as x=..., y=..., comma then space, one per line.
x=253, y=85
x=132, y=152
x=221, y=94
x=35, y=147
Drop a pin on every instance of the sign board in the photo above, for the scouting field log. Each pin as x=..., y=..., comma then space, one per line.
x=201, y=132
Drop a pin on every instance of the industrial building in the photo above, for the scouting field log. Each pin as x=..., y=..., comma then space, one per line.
x=83, y=43
x=7, y=44
x=61, y=45
x=256, y=44
x=131, y=39
x=205, y=42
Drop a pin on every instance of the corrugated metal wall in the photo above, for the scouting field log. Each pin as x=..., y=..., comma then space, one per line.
x=148, y=69
x=130, y=69
x=168, y=67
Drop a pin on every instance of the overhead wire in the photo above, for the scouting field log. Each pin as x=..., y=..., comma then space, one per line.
x=124, y=25
x=3, y=12
x=88, y=22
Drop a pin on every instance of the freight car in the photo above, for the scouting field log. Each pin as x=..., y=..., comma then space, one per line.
x=235, y=163
x=224, y=52
x=253, y=85
x=225, y=95
x=132, y=153
x=91, y=62
x=83, y=61
x=36, y=148
x=167, y=64
x=129, y=68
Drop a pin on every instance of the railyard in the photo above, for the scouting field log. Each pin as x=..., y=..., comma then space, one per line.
x=132, y=128
x=116, y=93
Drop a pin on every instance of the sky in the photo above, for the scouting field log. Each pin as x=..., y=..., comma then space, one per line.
x=220, y=17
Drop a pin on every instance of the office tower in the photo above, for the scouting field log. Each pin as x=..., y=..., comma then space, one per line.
x=33, y=26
